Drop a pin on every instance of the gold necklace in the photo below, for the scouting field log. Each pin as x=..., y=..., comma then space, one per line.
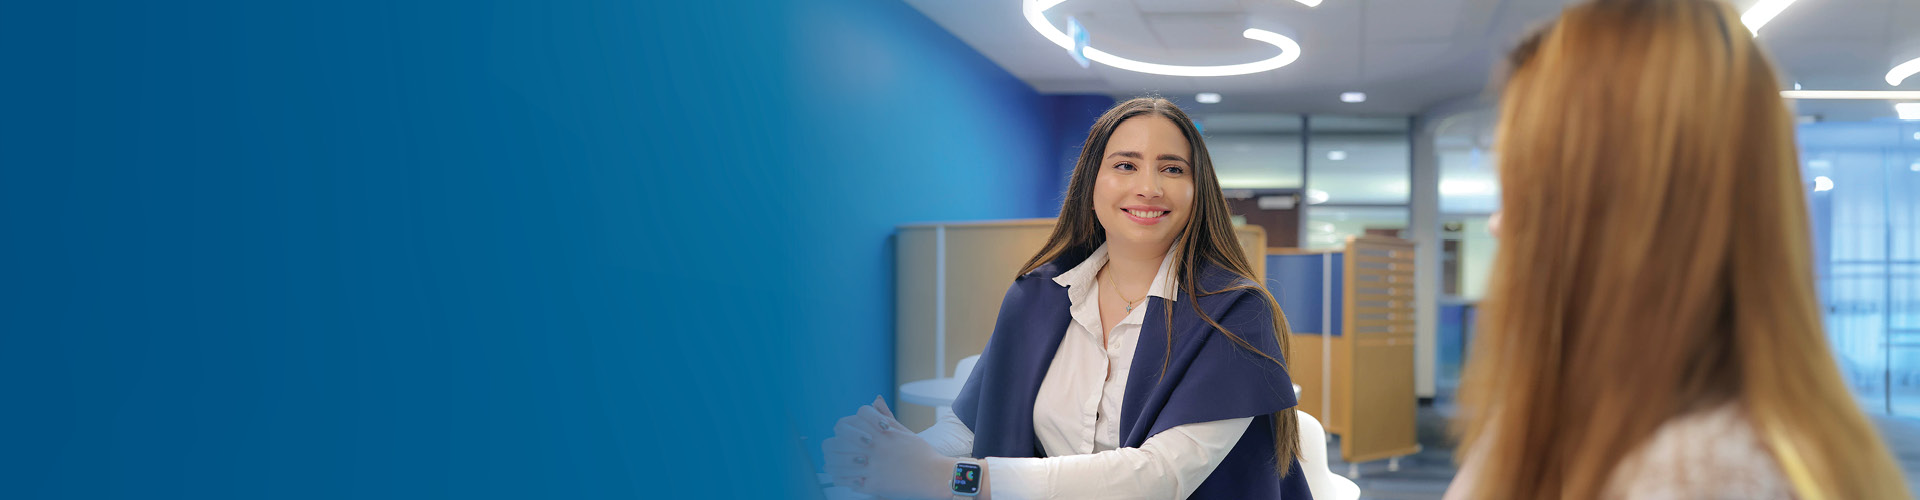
x=1116, y=292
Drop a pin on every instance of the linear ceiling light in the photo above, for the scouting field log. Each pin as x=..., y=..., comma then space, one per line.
x=1035, y=11
x=1904, y=70
x=1867, y=95
x=1765, y=11
x=1310, y=3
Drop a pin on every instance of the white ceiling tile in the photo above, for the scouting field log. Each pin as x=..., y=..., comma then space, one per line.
x=1399, y=60
x=1187, y=6
x=1435, y=50
x=1400, y=21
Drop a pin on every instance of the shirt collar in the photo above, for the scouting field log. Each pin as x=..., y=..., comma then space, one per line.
x=1078, y=279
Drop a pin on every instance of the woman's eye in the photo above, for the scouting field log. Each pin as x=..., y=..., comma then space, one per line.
x=1174, y=170
x=1124, y=166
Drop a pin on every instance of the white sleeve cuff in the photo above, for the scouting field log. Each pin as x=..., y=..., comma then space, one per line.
x=1019, y=478
x=949, y=436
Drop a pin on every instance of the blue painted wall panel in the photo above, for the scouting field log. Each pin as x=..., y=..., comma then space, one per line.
x=442, y=249
x=1297, y=283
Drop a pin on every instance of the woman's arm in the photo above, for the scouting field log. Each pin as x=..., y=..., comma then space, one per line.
x=1171, y=464
x=949, y=435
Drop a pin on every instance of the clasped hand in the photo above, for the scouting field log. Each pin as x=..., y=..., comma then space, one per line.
x=871, y=453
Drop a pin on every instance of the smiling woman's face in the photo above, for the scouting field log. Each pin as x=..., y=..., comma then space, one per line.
x=1143, y=196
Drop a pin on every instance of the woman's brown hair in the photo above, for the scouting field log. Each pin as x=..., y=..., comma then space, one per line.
x=1654, y=260
x=1208, y=238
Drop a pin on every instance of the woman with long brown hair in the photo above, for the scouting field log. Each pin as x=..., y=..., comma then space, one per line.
x=1651, y=328
x=1135, y=356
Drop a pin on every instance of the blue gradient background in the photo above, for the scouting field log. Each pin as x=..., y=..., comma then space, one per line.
x=441, y=249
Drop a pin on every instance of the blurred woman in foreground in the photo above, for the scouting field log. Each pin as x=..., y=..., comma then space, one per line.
x=1651, y=328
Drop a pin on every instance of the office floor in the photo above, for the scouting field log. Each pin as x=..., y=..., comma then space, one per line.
x=1421, y=476
x=1425, y=475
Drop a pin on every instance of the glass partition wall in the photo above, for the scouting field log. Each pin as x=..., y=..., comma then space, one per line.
x=1357, y=178
x=1312, y=181
x=1863, y=181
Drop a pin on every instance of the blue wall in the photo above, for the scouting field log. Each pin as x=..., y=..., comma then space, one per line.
x=914, y=126
x=472, y=250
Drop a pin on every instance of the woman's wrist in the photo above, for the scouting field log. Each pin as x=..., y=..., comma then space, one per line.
x=939, y=478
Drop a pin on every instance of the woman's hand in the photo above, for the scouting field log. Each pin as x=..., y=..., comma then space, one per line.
x=871, y=453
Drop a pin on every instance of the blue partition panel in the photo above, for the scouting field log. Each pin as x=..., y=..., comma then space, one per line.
x=1298, y=283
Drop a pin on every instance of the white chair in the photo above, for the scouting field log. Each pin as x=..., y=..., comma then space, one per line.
x=1313, y=462
x=961, y=371
x=939, y=392
x=964, y=368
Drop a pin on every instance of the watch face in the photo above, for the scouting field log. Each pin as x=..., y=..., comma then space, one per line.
x=966, y=479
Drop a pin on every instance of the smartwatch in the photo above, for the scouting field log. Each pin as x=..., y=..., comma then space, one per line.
x=966, y=479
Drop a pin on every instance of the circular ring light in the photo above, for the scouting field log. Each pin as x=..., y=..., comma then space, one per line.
x=1035, y=11
x=1904, y=70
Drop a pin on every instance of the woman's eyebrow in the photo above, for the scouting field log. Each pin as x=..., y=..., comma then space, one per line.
x=1137, y=156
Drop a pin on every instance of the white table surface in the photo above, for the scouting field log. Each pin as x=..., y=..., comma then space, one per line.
x=934, y=392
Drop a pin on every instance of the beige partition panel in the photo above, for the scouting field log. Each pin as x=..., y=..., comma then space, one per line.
x=949, y=280
x=1313, y=359
x=1379, y=321
x=1253, y=242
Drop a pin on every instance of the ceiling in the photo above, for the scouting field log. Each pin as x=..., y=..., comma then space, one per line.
x=1407, y=55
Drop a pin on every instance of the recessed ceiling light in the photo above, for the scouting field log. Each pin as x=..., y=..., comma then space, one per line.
x=1914, y=167
x=1336, y=155
x=1763, y=12
x=1916, y=136
x=1310, y=3
x=1822, y=183
x=1353, y=97
x=1035, y=12
x=1908, y=110
x=1207, y=98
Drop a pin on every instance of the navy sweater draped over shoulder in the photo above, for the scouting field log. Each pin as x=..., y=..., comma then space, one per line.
x=1208, y=377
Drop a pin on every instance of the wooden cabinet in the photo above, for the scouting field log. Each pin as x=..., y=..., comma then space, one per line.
x=1351, y=312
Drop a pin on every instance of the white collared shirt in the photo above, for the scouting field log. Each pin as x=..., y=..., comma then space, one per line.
x=1076, y=414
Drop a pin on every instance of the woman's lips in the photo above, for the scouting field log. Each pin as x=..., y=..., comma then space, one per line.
x=1145, y=217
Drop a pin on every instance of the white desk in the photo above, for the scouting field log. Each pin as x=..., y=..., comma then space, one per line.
x=934, y=392
x=938, y=392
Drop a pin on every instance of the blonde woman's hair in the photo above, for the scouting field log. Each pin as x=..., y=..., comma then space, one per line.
x=1655, y=260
